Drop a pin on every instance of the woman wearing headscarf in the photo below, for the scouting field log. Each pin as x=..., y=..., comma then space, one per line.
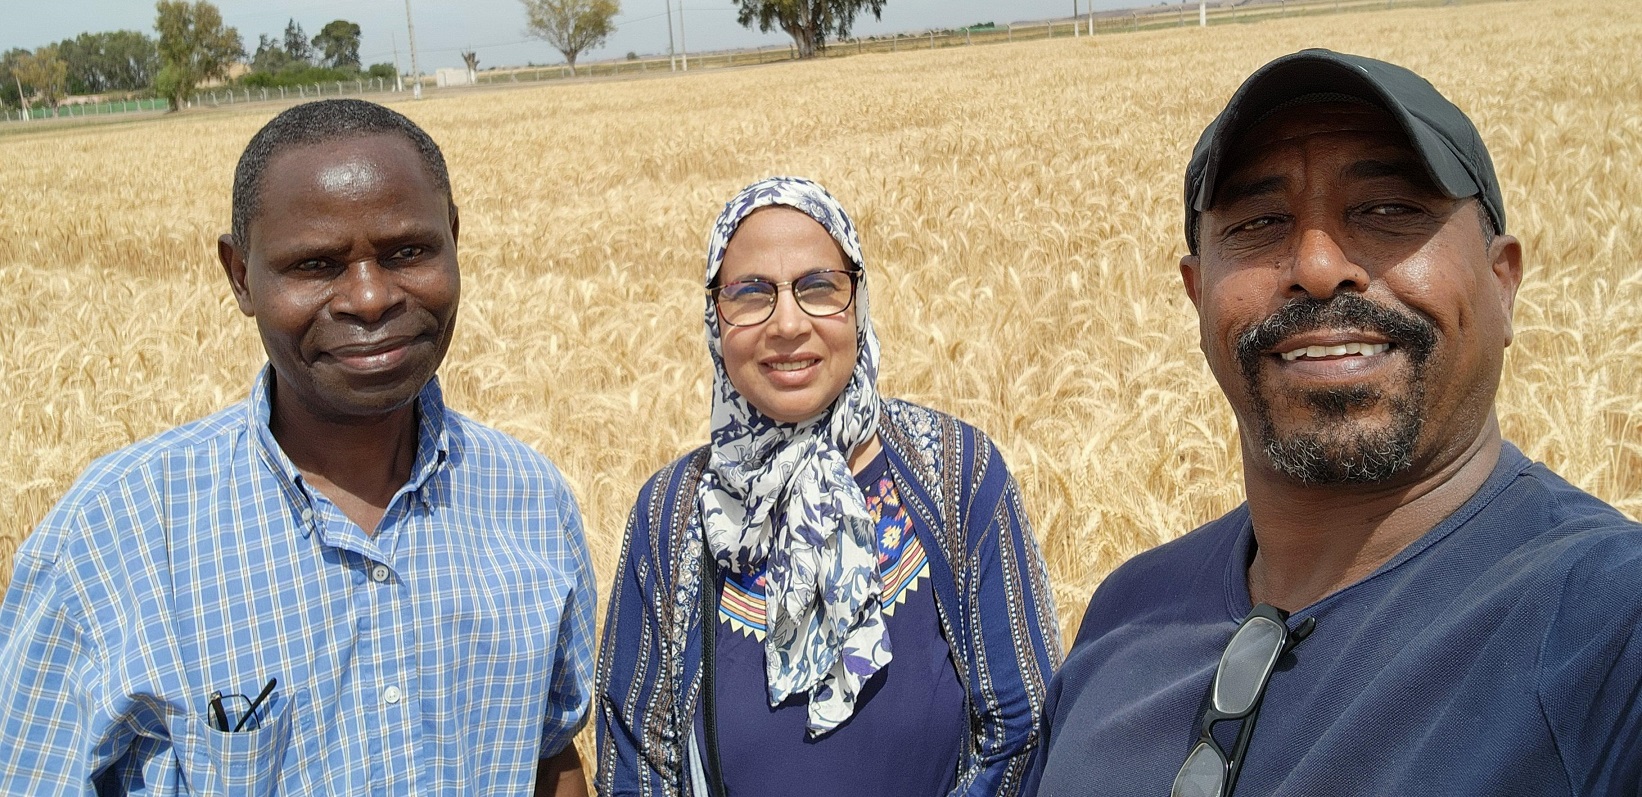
x=840, y=593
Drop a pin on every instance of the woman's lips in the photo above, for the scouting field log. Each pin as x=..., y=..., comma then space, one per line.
x=791, y=371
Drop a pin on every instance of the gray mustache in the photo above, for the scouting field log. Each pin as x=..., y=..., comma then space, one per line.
x=1344, y=310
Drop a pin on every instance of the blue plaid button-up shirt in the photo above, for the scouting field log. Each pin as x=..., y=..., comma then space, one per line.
x=445, y=654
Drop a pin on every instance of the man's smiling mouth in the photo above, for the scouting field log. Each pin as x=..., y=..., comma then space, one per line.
x=1342, y=350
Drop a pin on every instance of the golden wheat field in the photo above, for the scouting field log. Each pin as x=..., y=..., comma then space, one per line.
x=1020, y=206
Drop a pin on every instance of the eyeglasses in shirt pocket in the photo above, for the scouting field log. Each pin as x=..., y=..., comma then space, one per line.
x=248, y=762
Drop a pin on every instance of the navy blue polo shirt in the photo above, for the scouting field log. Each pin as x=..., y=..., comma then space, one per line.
x=1497, y=654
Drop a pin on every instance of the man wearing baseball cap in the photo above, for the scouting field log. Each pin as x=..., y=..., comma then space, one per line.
x=1405, y=604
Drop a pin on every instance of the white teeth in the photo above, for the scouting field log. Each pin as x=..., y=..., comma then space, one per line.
x=1365, y=349
x=794, y=365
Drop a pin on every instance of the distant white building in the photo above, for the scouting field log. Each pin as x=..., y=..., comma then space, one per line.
x=453, y=77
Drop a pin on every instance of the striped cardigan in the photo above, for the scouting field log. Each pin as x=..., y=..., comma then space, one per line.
x=990, y=585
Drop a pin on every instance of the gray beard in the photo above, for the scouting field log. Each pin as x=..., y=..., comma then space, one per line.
x=1335, y=450
x=1341, y=455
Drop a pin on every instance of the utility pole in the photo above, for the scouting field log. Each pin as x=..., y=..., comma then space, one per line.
x=22, y=102
x=684, y=49
x=410, y=28
x=1202, y=13
x=398, y=77
x=672, y=55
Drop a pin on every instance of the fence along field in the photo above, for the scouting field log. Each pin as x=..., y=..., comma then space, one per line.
x=1021, y=212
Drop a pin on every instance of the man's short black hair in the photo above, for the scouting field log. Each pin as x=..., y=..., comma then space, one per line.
x=316, y=123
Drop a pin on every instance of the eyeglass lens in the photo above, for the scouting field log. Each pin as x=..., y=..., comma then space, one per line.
x=1246, y=664
x=1245, y=667
x=822, y=293
x=1203, y=774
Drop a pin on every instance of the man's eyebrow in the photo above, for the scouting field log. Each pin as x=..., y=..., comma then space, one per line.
x=1238, y=191
x=1371, y=168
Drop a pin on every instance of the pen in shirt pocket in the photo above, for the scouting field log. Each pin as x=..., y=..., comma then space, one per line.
x=221, y=704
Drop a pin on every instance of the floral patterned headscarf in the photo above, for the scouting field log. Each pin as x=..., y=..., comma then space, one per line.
x=783, y=494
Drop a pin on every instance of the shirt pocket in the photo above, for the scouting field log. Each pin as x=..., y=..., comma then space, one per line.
x=249, y=762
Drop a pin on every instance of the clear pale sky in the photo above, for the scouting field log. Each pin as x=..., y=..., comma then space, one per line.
x=495, y=28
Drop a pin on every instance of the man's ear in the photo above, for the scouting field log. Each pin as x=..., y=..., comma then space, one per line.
x=455, y=223
x=1505, y=260
x=233, y=264
x=1191, y=275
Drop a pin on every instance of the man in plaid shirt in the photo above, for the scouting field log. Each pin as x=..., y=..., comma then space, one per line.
x=338, y=586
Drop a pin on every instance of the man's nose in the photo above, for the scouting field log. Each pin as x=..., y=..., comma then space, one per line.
x=367, y=291
x=1321, y=266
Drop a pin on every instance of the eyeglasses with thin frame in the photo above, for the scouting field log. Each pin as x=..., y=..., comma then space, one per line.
x=750, y=302
x=234, y=713
x=1238, y=688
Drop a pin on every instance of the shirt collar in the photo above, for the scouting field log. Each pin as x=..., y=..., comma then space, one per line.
x=1512, y=462
x=432, y=442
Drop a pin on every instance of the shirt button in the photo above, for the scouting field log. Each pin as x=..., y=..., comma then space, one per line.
x=392, y=695
x=379, y=573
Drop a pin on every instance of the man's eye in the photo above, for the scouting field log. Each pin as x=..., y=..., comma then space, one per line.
x=313, y=265
x=406, y=253
x=1390, y=209
x=1253, y=225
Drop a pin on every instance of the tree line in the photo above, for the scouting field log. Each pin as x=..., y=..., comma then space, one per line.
x=193, y=47
x=91, y=63
x=575, y=26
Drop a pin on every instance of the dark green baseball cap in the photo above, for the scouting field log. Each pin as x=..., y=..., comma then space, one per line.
x=1441, y=134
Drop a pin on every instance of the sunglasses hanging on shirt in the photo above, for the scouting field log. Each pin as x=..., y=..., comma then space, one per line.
x=1235, y=694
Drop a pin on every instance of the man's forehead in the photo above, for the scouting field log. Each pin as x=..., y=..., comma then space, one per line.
x=346, y=169
x=384, y=149
x=303, y=184
x=1298, y=122
x=1368, y=128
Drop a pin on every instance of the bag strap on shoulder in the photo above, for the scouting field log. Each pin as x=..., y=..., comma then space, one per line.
x=709, y=663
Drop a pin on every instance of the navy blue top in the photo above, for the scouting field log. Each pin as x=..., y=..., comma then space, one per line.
x=985, y=573
x=910, y=721
x=1497, y=654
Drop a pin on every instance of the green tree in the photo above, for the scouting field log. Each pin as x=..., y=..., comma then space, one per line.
x=810, y=23
x=46, y=73
x=8, y=82
x=338, y=44
x=122, y=60
x=571, y=26
x=84, y=72
x=131, y=58
x=194, y=47
x=296, y=43
x=270, y=56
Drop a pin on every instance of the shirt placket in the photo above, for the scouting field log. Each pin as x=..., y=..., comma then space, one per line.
x=385, y=689
x=400, y=695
